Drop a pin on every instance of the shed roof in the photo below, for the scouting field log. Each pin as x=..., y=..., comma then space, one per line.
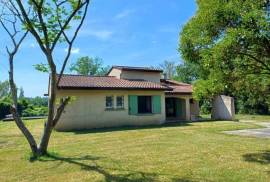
x=177, y=87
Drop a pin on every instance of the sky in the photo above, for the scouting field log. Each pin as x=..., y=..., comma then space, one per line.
x=121, y=32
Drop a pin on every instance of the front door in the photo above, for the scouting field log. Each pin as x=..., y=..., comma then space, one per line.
x=170, y=107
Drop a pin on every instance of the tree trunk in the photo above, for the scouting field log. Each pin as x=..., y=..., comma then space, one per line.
x=49, y=124
x=29, y=137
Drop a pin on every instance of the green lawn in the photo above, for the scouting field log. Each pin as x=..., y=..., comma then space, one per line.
x=178, y=152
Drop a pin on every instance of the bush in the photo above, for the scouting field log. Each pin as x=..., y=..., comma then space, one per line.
x=206, y=106
x=4, y=109
x=35, y=111
x=25, y=109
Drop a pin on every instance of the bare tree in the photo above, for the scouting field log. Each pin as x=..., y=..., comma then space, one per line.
x=50, y=24
x=9, y=22
x=169, y=68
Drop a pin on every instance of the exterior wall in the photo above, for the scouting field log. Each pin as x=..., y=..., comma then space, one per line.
x=116, y=73
x=88, y=110
x=194, y=110
x=223, y=108
x=187, y=109
x=149, y=76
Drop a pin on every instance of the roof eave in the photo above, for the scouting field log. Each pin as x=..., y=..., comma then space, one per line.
x=110, y=88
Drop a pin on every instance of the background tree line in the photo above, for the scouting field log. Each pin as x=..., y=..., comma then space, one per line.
x=38, y=106
x=27, y=106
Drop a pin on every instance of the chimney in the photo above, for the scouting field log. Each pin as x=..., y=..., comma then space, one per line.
x=165, y=76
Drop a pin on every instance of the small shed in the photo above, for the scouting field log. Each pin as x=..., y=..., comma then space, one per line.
x=223, y=108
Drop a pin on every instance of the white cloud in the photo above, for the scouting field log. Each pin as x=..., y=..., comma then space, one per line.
x=100, y=34
x=73, y=50
x=124, y=14
x=33, y=45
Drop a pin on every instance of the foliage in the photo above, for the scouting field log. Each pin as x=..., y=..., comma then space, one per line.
x=21, y=96
x=253, y=96
x=4, y=88
x=42, y=67
x=35, y=111
x=26, y=106
x=89, y=66
x=37, y=101
x=187, y=72
x=230, y=42
x=4, y=108
x=205, y=106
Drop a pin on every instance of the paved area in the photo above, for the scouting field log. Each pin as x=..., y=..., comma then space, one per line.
x=261, y=133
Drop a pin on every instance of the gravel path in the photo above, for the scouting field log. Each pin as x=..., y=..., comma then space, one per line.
x=261, y=133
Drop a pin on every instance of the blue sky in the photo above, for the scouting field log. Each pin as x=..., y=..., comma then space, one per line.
x=121, y=32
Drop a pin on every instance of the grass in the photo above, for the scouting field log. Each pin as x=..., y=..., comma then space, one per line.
x=177, y=152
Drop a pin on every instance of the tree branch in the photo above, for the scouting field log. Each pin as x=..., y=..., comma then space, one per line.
x=60, y=109
x=71, y=42
x=30, y=26
x=79, y=6
x=255, y=59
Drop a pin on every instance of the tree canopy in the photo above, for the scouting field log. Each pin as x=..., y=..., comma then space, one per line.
x=4, y=89
x=230, y=42
x=89, y=66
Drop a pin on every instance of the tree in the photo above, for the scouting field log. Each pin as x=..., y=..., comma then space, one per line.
x=169, y=68
x=4, y=89
x=89, y=66
x=228, y=40
x=49, y=22
x=187, y=72
x=21, y=96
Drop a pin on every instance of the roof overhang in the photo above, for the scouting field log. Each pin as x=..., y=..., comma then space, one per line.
x=112, y=88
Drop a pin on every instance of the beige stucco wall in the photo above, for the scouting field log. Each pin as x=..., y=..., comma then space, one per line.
x=144, y=75
x=149, y=76
x=88, y=110
x=115, y=72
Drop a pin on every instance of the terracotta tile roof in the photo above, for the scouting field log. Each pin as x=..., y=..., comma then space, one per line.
x=178, y=87
x=132, y=68
x=106, y=82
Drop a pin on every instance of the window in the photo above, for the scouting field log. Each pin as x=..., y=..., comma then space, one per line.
x=120, y=101
x=109, y=102
x=144, y=104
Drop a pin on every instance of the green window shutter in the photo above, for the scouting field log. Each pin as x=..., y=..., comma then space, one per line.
x=133, y=104
x=156, y=104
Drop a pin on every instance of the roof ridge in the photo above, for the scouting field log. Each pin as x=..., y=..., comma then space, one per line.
x=147, y=68
x=85, y=75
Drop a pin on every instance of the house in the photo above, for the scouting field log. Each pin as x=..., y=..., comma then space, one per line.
x=125, y=96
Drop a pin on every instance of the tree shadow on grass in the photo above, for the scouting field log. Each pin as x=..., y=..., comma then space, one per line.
x=89, y=163
x=3, y=144
x=127, y=128
x=262, y=157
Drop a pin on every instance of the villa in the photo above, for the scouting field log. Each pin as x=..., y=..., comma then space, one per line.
x=126, y=96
